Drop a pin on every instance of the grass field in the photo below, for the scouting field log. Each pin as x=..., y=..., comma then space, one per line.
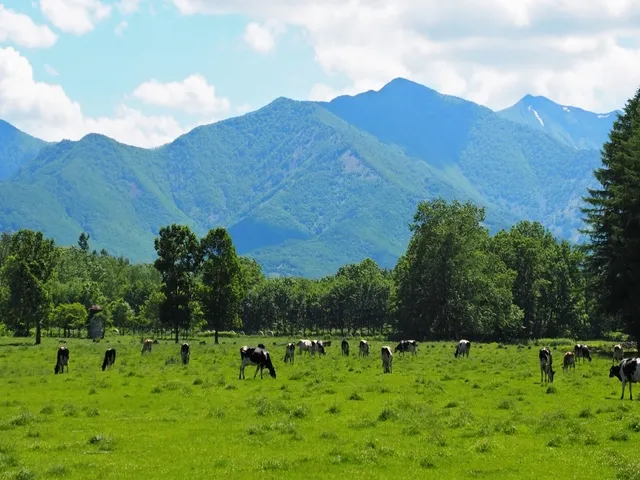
x=149, y=417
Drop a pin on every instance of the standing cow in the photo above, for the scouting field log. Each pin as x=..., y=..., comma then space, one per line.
x=627, y=372
x=462, y=348
x=317, y=346
x=185, y=353
x=255, y=356
x=569, y=361
x=582, y=351
x=618, y=353
x=62, y=360
x=345, y=348
x=387, y=359
x=407, y=346
x=304, y=346
x=290, y=353
x=146, y=345
x=364, y=348
x=109, y=358
x=546, y=365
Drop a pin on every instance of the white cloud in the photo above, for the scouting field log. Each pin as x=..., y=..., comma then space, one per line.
x=22, y=30
x=261, y=38
x=50, y=70
x=128, y=6
x=75, y=16
x=45, y=111
x=192, y=95
x=492, y=52
x=120, y=28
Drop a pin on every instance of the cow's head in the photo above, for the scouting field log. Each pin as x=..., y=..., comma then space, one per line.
x=615, y=372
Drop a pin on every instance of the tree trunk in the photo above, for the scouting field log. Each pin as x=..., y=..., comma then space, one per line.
x=215, y=336
x=177, y=334
x=38, y=333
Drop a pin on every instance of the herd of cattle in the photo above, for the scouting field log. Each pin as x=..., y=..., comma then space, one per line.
x=627, y=370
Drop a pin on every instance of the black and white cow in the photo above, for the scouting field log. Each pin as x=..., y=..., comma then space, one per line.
x=546, y=365
x=407, y=346
x=304, y=346
x=462, y=348
x=582, y=352
x=387, y=359
x=627, y=371
x=618, y=353
x=345, y=348
x=255, y=356
x=146, y=345
x=364, y=348
x=317, y=346
x=109, y=358
x=290, y=352
x=62, y=360
x=185, y=353
x=569, y=361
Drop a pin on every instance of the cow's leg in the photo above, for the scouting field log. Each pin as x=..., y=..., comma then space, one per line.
x=630, y=392
x=257, y=368
x=624, y=384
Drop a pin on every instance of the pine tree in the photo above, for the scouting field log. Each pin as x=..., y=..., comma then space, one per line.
x=613, y=218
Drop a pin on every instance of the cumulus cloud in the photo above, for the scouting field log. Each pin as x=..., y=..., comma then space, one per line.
x=192, y=95
x=128, y=6
x=75, y=16
x=45, y=111
x=22, y=30
x=261, y=37
x=492, y=52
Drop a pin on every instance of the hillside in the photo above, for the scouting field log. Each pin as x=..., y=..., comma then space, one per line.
x=573, y=126
x=16, y=148
x=304, y=187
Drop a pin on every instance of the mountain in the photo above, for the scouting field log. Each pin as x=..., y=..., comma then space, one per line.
x=304, y=187
x=16, y=148
x=572, y=126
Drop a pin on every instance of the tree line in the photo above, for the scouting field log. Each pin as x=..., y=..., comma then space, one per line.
x=455, y=278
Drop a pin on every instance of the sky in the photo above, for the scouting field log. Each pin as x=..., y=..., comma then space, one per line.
x=146, y=71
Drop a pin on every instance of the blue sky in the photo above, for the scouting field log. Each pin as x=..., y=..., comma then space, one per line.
x=145, y=71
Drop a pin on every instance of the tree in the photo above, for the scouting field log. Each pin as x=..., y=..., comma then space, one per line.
x=83, y=241
x=69, y=316
x=613, y=219
x=222, y=284
x=178, y=260
x=26, y=271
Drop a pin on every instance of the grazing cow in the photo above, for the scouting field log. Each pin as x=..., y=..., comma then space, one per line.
x=364, y=348
x=146, y=345
x=256, y=356
x=290, y=352
x=618, y=353
x=387, y=359
x=185, y=353
x=304, y=346
x=62, y=360
x=345, y=348
x=582, y=352
x=317, y=346
x=407, y=346
x=463, y=348
x=626, y=371
x=569, y=361
x=109, y=358
x=546, y=365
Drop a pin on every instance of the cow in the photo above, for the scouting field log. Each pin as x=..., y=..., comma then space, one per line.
x=109, y=358
x=146, y=345
x=582, y=351
x=255, y=356
x=462, y=348
x=62, y=360
x=618, y=353
x=345, y=348
x=387, y=359
x=569, y=361
x=304, y=346
x=290, y=352
x=407, y=346
x=317, y=346
x=626, y=371
x=546, y=365
x=364, y=348
x=185, y=353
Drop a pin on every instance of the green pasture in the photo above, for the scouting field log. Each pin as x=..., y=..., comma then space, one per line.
x=487, y=416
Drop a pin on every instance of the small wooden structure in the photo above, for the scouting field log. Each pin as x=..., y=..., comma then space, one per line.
x=95, y=324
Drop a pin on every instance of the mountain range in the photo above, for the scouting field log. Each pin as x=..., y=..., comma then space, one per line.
x=305, y=187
